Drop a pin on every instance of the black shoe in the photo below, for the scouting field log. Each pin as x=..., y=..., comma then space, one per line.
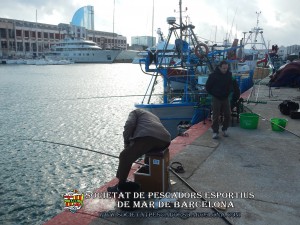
x=113, y=189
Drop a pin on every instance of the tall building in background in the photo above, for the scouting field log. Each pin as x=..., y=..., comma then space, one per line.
x=84, y=17
x=19, y=38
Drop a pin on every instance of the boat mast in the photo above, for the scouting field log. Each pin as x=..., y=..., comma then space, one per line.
x=36, y=38
x=152, y=44
x=114, y=26
x=256, y=32
x=257, y=28
x=181, y=28
x=180, y=18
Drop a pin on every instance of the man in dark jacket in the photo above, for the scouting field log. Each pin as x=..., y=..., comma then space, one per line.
x=219, y=85
x=143, y=132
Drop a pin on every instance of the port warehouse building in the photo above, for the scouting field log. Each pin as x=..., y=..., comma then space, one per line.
x=30, y=39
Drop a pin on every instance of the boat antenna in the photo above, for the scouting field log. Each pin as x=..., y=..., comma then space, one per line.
x=216, y=34
x=256, y=29
x=257, y=21
x=152, y=22
x=181, y=28
x=180, y=18
x=229, y=35
x=114, y=25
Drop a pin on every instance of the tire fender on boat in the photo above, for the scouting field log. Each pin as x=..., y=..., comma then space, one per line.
x=201, y=54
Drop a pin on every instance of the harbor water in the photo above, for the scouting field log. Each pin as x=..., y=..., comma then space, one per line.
x=44, y=111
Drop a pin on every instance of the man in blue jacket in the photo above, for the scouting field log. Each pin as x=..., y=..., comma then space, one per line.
x=143, y=132
x=219, y=85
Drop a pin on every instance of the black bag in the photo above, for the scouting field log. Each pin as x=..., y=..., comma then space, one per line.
x=295, y=115
x=288, y=106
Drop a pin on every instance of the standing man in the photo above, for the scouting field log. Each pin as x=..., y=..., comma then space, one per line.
x=219, y=86
x=143, y=132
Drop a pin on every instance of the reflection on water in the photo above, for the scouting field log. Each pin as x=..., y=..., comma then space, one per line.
x=62, y=104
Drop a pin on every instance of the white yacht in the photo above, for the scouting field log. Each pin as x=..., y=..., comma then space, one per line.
x=81, y=51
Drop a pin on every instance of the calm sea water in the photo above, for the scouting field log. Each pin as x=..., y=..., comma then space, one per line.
x=62, y=104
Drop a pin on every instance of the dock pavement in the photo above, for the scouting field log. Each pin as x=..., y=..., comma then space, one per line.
x=250, y=177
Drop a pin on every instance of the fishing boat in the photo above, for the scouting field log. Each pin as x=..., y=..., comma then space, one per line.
x=189, y=103
x=186, y=105
x=81, y=51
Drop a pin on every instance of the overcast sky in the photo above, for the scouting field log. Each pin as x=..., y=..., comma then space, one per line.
x=214, y=19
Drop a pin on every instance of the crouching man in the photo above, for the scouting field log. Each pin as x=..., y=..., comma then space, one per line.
x=143, y=132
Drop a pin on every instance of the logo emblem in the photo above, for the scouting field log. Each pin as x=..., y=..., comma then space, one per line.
x=73, y=200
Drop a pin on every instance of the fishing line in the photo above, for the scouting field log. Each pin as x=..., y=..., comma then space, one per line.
x=151, y=81
x=115, y=96
x=125, y=96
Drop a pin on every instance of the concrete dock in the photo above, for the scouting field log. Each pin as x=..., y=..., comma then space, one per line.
x=250, y=177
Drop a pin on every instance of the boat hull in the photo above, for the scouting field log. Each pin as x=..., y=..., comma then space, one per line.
x=93, y=56
x=173, y=114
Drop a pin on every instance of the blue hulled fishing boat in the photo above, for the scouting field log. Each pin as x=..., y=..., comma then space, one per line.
x=184, y=99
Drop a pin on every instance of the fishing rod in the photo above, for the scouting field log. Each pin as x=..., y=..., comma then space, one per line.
x=203, y=199
x=269, y=120
x=274, y=123
x=73, y=146
x=113, y=156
